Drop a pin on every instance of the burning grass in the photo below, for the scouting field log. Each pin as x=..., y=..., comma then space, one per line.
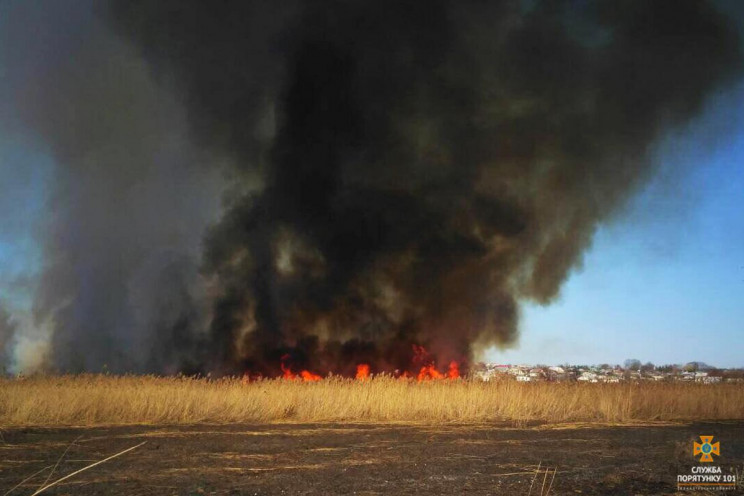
x=87, y=400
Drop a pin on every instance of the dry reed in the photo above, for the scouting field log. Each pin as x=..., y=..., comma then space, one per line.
x=86, y=400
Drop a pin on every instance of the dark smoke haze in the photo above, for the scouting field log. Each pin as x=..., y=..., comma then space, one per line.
x=399, y=172
x=129, y=198
x=7, y=331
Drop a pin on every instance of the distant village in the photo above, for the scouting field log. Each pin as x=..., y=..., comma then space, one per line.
x=633, y=370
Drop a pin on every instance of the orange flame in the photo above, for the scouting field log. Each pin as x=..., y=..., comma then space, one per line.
x=421, y=358
x=287, y=373
x=429, y=372
x=309, y=376
x=454, y=370
x=362, y=372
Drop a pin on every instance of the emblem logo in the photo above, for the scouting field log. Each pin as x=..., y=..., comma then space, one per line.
x=707, y=448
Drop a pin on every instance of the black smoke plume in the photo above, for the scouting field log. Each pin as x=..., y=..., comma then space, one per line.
x=424, y=165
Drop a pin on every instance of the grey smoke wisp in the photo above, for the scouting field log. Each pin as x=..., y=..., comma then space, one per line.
x=7, y=331
x=119, y=288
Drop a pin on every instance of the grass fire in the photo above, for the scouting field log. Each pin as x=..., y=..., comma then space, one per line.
x=327, y=246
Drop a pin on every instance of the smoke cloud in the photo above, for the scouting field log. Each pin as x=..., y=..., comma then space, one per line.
x=430, y=163
x=401, y=172
x=119, y=287
x=7, y=332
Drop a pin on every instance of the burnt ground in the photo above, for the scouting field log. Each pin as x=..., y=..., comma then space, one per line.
x=364, y=459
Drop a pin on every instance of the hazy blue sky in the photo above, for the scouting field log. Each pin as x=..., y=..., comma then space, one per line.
x=665, y=281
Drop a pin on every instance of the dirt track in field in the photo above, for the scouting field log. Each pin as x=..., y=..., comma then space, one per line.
x=364, y=459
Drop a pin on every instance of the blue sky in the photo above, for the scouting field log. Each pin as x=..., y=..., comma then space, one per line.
x=663, y=282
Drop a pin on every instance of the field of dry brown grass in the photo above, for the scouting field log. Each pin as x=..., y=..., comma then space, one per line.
x=89, y=400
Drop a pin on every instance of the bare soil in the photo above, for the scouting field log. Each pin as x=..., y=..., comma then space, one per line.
x=364, y=459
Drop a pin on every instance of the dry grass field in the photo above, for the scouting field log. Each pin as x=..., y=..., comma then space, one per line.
x=144, y=435
x=90, y=400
